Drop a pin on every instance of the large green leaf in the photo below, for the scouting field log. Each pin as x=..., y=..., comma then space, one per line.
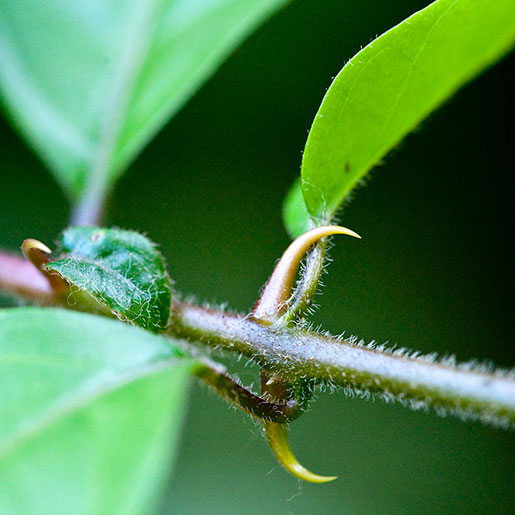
x=89, y=82
x=90, y=411
x=388, y=88
x=121, y=269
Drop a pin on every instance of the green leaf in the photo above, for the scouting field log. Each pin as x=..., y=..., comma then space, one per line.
x=384, y=91
x=89, y=83
x=295, y=214
x=90, y=412
x=121, y=269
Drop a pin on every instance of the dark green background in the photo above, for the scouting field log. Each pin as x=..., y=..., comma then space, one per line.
x=433, y=271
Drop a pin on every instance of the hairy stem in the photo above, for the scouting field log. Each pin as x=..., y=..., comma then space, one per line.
x=463, y=390
x=298, y=354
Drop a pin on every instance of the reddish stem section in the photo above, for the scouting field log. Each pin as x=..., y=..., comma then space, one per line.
x=20, y=277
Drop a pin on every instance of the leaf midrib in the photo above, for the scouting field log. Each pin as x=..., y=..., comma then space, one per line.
x=138, y=42
x=68, y=407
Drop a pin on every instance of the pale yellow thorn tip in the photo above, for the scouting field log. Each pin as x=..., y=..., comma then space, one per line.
x=277, y=436
x=31, y=244
x=39, y=255
x=36, y=252
x=344, y=230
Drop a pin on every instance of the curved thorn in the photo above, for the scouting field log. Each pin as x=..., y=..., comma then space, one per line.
x=38, y=254
x=277, y=436
x=35, y=251
x=273, y=301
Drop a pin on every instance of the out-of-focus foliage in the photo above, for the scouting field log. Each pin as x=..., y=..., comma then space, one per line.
x=90, y=413
x=209, y=190
x=89, y=83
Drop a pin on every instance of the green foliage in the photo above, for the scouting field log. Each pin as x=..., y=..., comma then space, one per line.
x=295, y=214
x=91, y=408
x=107, y=75
x=90, y=413
x=385, y=90
x=121, y=269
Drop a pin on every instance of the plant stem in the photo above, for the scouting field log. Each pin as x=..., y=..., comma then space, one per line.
x=21, y=278
x=417, y=381
x=468, y=391
x=90, y=209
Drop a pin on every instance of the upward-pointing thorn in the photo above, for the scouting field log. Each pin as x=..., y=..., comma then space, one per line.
x=273, y=301
x=38, y=254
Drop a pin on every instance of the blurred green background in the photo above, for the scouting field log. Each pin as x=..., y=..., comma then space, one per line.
x=433, y=271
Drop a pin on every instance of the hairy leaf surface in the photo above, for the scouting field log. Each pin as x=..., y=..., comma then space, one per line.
x=89, y=83
x=121, y=269
x=90, y=412
x=385, y=90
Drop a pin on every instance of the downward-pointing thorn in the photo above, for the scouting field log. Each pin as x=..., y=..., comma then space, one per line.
x=277, y=436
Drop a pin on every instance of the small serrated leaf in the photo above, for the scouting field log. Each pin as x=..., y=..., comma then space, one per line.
x=122, y=269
